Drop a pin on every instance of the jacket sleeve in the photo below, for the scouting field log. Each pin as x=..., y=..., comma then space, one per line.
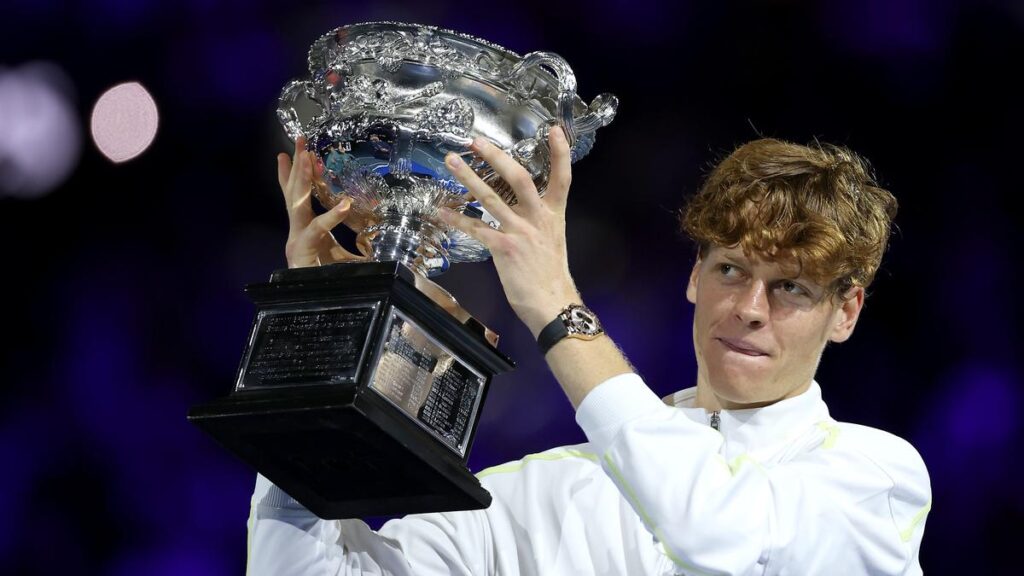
x=287, y=539
x=826, y=510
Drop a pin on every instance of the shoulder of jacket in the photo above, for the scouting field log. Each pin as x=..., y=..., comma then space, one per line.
x=893, y=455
x=910, y=497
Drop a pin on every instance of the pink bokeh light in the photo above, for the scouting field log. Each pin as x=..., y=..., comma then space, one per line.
x=124, y=122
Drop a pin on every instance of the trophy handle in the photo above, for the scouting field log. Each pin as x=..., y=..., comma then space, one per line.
x=286, y=112
x=579, y=131
x=600, y=113
x=566, y=85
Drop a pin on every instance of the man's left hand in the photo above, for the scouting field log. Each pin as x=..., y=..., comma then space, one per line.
x=529, y=249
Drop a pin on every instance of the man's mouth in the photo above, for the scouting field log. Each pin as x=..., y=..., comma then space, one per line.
x=742, y=347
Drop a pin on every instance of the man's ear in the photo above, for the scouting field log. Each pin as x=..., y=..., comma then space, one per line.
x=846, y=314
x=691, y=286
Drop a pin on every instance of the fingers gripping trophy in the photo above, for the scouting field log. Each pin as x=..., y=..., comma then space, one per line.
x=361, y=382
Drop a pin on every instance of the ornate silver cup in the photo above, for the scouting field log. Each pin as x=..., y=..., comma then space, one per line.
x=359, y=389
x=387, y=101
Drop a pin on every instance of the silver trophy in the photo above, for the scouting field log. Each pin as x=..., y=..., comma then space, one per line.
x=387, y=101
x=359, y=390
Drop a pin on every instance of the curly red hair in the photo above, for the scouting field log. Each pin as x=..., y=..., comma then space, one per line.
x=818, y=205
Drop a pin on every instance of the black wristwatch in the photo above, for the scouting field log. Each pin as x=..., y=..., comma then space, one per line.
x=575, y=321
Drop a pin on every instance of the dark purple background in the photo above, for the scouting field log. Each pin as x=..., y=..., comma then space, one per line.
x=122, y=289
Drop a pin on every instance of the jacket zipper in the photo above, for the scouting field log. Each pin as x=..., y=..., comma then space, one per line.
x=715, y=421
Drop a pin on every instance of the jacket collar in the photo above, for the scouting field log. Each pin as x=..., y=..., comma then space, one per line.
x=760, y=432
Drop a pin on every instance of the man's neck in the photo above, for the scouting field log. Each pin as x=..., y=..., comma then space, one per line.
x=707, y=399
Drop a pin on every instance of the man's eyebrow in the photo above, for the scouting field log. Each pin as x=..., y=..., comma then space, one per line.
x=793, y=271
x=740, y=259
x=796, y=273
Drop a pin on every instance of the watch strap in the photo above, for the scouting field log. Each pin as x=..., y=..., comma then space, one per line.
x=552, y=334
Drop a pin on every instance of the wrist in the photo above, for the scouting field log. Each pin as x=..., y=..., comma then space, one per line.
x=575, y=321
x=538, y=302
x=540, y=313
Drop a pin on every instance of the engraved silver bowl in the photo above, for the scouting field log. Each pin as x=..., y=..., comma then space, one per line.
x=386, y=101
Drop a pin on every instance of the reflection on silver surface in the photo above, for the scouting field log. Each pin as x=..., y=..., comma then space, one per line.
x=387, y=101
x=428, y=382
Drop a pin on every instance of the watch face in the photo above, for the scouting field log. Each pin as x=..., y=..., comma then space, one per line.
x=583, y=321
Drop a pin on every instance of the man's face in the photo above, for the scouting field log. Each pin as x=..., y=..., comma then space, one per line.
x=759, y=327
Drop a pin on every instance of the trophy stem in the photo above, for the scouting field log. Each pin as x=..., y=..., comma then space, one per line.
x=399, y=245
x=410, y=240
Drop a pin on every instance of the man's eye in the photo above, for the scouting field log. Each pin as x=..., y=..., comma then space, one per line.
x=794, y=289
x=726, y=269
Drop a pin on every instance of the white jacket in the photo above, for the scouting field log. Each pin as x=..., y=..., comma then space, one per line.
x=782, y=489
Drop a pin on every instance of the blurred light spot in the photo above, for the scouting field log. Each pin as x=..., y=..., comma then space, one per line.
x=124, y=121
x=40, y=138
x=973, y=419
x=984, y=411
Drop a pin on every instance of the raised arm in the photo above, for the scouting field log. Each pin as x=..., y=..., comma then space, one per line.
x=529, y=253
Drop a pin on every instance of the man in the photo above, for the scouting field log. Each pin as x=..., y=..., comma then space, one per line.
x=745, y=473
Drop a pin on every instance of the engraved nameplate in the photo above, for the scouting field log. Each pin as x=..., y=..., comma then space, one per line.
x=298, y=347
x=428, y=382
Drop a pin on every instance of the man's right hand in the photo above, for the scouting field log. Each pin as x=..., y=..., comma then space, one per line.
x=310, y=242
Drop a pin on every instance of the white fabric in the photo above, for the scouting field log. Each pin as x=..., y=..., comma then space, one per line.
x=778, y=490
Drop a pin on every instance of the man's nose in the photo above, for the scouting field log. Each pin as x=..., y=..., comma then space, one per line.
x=752, y=305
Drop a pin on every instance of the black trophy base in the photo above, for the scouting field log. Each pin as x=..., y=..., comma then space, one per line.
x=341, y=460
x=357, y=394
